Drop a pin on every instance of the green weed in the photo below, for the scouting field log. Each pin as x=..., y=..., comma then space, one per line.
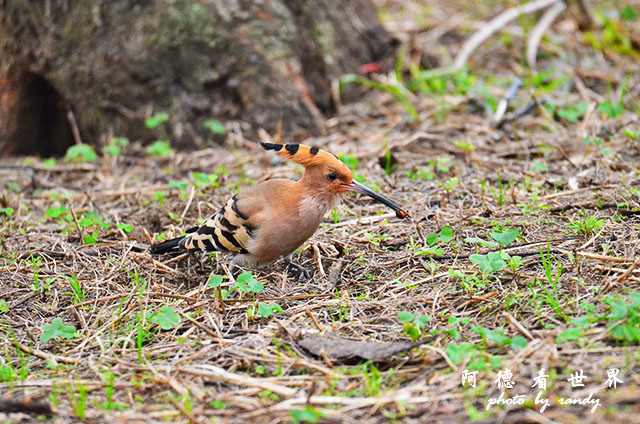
x=166, y=317
x=115, y=146
x=414, y=325
x=57, y=330
x=215, y=127
x=156, y=120
x=587, y=226
x=159, y=148
x=80, y=153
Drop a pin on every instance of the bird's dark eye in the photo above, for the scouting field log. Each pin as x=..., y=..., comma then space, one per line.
x=332, y=176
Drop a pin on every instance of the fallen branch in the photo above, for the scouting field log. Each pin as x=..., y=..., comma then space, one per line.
x=495, y=25
x=504, y=102
x=621, y=279
x=212, y=372
x=20, y=402
x=539, y=29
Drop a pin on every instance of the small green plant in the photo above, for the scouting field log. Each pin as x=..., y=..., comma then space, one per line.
x=611, y=110
x=49, y=162
x=158, y=197
x=629, y=13
x=159, y=148
x=441, y=165
x=6, y=211
x=8, y=372
x=445, y=235
x=459, y=352
x=573, y=113
x=624, y=317
x=78, y=400
x=454, y=329
x=204, y=181
x=215, y=281
x=497, y=337
x=389, y=166
x=156, y=120
x=449, y=184
x=550, y=297
x=247, y=284
x=307, y=415
x=349, y=160
x=109, y=405
x=505, y=238
x=622, y=320
x=569, y=334
x=372, y=379
x=491, y=262
x=414, y=325
x=465, y=146
x=485, y=243
x=76, y=288
x=56, y=330
x=80, y=153
x=587, y=226
x=265, y=310
x=114, y=148
x=180, y=185
x=420, y=173
x=94, y=222
x=336, y=215
x=376, y=239
x=56, y=212
x=36, y=262
x=127, y=228
x=496, y=261
x=538, y=167
x=215, y=127
x=500, y=194
x=514, y=263
x=166, y=317
x=633, y=135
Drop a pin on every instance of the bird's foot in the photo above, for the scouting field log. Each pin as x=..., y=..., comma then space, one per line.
x=303, y=273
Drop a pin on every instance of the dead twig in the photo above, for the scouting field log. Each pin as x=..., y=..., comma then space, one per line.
x=535, y=35
x=495, y=25
x=74, y=127
x=521, y=328
x=621, y=279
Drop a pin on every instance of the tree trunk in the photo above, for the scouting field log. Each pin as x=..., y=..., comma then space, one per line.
x=114, y=63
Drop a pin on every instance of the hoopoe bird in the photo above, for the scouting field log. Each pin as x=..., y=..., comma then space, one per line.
x=273, y=218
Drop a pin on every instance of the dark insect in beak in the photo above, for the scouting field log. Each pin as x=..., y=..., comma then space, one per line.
x=361, y=188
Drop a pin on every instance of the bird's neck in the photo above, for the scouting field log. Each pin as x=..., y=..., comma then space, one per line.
x=316, y=199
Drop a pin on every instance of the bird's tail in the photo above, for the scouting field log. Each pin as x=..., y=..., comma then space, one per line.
x=168, y=246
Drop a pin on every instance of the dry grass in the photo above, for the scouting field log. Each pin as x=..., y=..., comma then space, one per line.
x=224, y=362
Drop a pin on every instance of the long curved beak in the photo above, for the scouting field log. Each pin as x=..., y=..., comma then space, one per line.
x=361, y=188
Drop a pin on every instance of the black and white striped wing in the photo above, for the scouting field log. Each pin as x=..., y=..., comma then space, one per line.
x=228, y=230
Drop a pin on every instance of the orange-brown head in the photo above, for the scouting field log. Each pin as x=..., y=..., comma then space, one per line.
x=326, y=174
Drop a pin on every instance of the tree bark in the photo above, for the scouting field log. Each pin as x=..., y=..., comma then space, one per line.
x=114, y=63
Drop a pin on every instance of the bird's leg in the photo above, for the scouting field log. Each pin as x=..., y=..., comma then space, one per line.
x=229, y=271
x=303, y=273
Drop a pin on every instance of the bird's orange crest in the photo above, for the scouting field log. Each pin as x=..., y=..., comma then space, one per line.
x=303, y=154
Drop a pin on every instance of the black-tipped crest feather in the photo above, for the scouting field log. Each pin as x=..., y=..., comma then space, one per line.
x=303, y=154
